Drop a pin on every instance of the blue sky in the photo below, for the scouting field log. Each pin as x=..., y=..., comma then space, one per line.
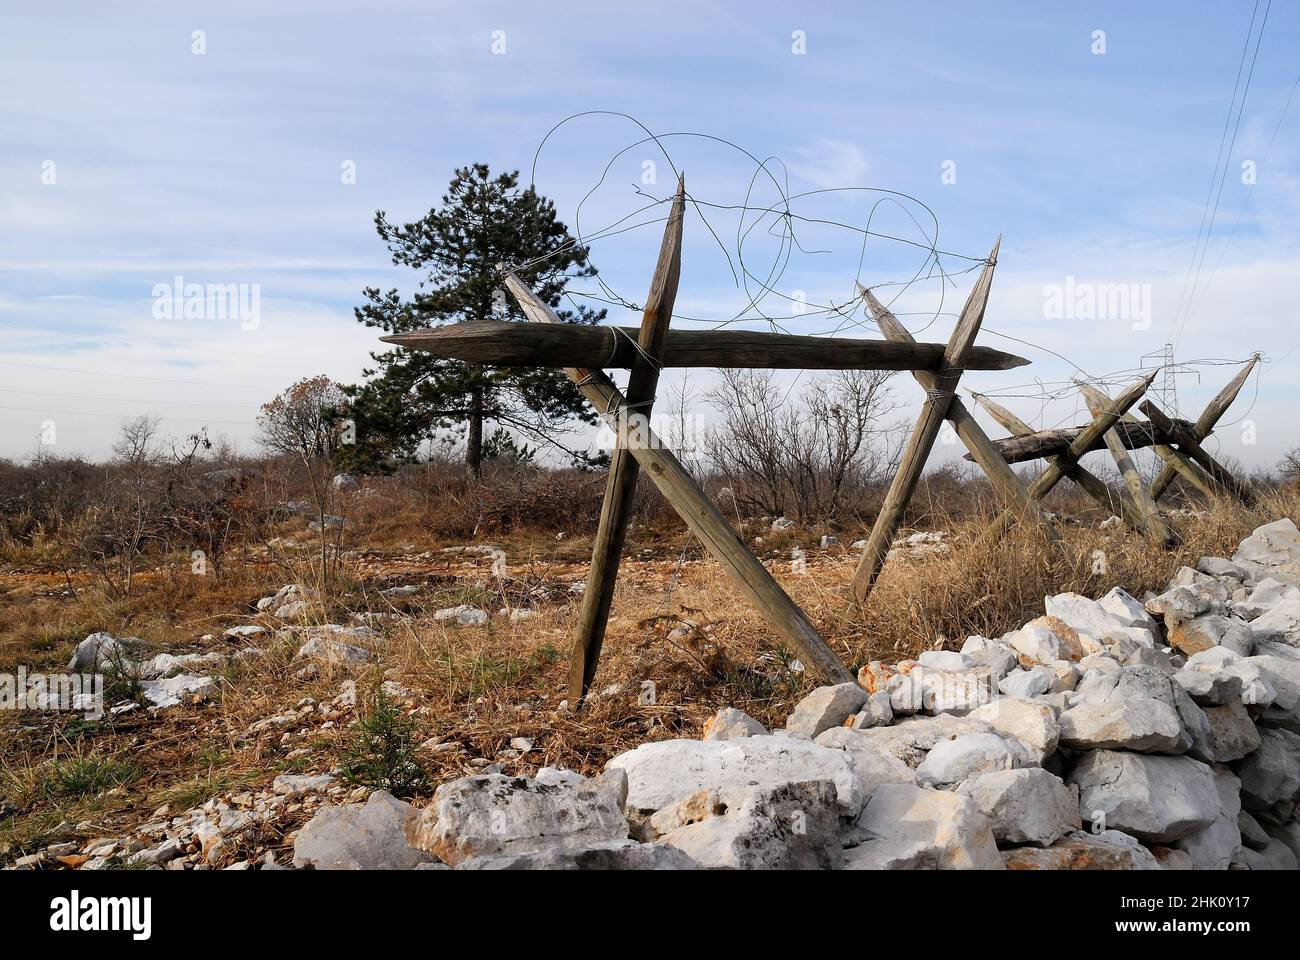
x=225, y=167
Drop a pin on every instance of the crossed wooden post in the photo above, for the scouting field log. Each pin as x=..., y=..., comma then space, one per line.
x=1080, y=443
x=583, y=351
x=982, y=450
x=1155, y=528
x=1176, y=442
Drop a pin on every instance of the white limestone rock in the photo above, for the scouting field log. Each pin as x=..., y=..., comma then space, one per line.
x=1213, y=847
x=911, y=828
x=729, y=723
x=1272, y=550
x=911, y=739
x=1281, y=624
x=1030, y=721
x=1156, y=799
x=1030, y=683
x=1271, y=775
x=175, y=690
x=876, y=712
x=1029, y=806
x=826, y=707
x=872, y=764
x=794, y=826
x=369, y=836
x=326, y=650
x=952, y=761
x=666, y=771
x=494, y=814
x=464, y=615
x=99, y=651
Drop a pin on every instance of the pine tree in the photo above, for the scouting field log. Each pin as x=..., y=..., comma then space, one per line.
x=483, y=224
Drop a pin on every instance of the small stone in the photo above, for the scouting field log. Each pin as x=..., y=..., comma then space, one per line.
x=826, y=707
x=465, y=615
x=876, y=712
x=729, y=723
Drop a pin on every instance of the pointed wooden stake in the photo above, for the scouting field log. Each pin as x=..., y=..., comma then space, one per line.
x=923, y=434
x=700, y=513
x=623, y=470
x=1152, y=525
x=1001, y=476
x=1190, y=444
x=1204, y=425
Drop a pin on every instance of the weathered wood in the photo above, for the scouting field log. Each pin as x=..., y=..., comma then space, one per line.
x=1044, y=443
x=927, y=427
x=1093, y=486
x=1086, y=439
x=589, y=635
x=701, y=515
x=1152, y=524
x=504, y=344
x=1095, y=398
x=1190, y=444
x=1205, y=423
x=1001, y=476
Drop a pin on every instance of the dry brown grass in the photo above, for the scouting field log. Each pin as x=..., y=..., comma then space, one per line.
x=677, y=623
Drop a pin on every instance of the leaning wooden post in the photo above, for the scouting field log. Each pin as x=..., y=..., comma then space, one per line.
x=1089, y=483
x=927, y=427
x=1155, y=528
x=1190, y=444
x=1000, y=474
x=623, y=470
x=1204, y=425
x=1085, y=440
x=701, y=515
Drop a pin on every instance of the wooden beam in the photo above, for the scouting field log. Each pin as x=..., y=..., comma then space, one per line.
x=1154, y=527
x=1205, y=423
x=933, y=412
x=1044, y=443
x=1190, y=444
x=504, y=344
x=701, y=515
x=1093, y=486
x=1004, y=480
x=611, y=534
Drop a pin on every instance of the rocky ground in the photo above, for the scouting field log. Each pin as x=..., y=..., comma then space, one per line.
x=1113, y=733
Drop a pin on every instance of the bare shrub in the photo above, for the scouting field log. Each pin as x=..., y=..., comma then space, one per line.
x=802, y=458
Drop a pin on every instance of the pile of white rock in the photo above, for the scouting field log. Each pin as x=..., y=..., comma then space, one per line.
x=1106, y=734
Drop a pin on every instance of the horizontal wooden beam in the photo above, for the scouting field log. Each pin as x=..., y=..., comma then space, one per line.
x=1134, y=435
x=500, y=343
